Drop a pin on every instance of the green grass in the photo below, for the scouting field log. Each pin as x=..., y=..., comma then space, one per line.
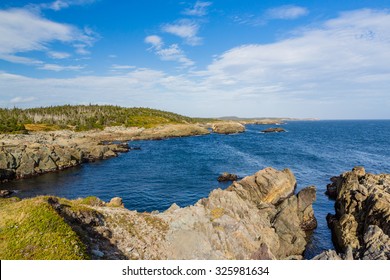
x=32, y=229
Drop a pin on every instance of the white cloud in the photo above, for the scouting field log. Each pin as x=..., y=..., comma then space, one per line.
x=58, y=55
x=170, y=53
x=199, y=9
x=122, y=67
x=63, y=4
x=174, y=53
x=22, y=31
x=58, y=68
x=19, y=99
x=185, y=29
x=286, y=12
x=154, y=40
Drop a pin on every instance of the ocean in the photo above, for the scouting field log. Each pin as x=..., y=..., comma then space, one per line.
x=183, y=170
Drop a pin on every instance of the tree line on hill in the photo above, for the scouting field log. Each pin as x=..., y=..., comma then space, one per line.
x=85, y=117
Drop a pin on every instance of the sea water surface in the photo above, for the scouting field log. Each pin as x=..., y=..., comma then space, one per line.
x=183, y=170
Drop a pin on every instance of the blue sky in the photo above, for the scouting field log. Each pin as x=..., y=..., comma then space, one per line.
x=322, y=59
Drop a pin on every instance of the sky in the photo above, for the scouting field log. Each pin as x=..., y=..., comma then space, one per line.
x=302, y=59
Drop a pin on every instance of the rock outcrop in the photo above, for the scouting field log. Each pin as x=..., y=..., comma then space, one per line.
x=362, y=218
x=224, y=177
x=228, y=127
x=23, y=156
x=258, y=217
x=273, y=129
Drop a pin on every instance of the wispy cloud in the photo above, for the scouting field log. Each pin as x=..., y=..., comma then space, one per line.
x=185, y=29
x=286, y=12
x=122, y=67
x=155, y=41
x=170, y=53
x=19, y=99
x=58, y=55
x=58, y=68
x=199, y=9
x=22, y=31
x=63, y=4
x=174, y=53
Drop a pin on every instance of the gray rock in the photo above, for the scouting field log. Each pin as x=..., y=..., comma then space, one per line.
x=327, y=255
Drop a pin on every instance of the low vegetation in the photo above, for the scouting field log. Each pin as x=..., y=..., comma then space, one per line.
x=32, y=229
x=81, y=118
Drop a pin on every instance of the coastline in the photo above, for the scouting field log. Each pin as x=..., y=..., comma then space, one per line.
x=36, y=153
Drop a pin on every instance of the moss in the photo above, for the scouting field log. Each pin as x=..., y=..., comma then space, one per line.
x=32, y=229
x=155, y=222
x=217, y=213
x=89, y=200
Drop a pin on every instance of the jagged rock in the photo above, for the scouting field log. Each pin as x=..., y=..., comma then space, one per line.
x=228, y=127
x=376, y=244
x=267, y=185
x=227, y=177
x=327, y=255
x=273, y=129
x=362, y=218
x=305, y=208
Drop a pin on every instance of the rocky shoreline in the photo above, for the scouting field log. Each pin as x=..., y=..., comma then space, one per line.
x=27, y=155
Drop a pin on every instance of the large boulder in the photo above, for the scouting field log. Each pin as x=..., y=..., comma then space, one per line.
x=362, y=214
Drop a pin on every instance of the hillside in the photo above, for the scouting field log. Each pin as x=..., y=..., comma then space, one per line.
x=80, y=118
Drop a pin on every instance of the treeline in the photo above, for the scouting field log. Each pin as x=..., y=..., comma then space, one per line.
x=81, y=117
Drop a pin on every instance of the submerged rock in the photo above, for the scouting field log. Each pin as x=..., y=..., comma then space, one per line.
x=362, y=214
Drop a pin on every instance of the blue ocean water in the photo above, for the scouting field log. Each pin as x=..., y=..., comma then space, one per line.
x=183, y=170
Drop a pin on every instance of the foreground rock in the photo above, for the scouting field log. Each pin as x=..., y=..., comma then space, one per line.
x=273, y=129
x=228, y=127
x=362, y=219
x=258, y=217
